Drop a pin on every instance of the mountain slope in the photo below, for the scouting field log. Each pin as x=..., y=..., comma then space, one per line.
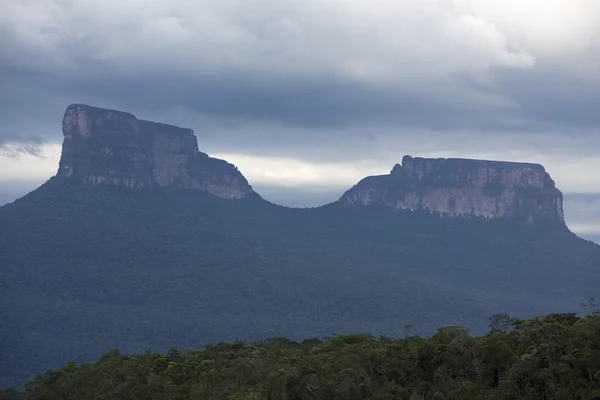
x=142, y=241
x=86, y=268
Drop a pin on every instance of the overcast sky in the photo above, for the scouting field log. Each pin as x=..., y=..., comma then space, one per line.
x=307, y=97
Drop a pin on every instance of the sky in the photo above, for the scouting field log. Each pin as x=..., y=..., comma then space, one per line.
x=307, y=97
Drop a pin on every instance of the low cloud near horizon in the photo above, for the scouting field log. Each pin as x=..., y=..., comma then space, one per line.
x=307, y=97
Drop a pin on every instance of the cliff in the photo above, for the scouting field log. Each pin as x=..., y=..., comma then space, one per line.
x=111, y=147
x=115, y=148
x=490, y=189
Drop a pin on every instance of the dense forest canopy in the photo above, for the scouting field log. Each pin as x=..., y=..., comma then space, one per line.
x=551, y=357
x=89, y=268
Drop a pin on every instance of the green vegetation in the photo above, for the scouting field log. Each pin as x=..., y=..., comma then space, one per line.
x=551, y=357
x=84, y=269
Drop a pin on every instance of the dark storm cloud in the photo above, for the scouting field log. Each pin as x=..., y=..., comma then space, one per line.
x=237, y=111
x=554, y=96
x=449, y=68
x=318, y=120
x=239, y=96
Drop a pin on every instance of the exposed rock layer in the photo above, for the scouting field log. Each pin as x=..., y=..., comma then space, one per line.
x=112, y=147
x=490, y=189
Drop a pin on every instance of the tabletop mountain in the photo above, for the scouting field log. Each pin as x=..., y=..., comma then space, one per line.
x=113, y=147
x=489, y=189
x=141, y=241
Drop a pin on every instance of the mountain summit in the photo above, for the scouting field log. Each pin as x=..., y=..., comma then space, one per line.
x=111, y=147
x=93, y=260
x=490, y=189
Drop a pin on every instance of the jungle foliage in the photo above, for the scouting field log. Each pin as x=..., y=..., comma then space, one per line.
x=551, y=357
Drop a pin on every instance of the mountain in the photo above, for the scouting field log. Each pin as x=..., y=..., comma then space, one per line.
x=141, y=241
x=115, y=148
x=481, y=188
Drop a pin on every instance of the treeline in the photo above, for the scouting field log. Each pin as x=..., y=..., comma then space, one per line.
x=551, y=357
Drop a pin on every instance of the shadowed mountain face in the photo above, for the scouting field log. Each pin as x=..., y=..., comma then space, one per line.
x=112, y=147
x=489, y=189
x=91, y=261
x=115, y=148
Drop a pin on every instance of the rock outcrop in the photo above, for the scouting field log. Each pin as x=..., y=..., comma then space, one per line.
x=490, y=189
x=115, y=148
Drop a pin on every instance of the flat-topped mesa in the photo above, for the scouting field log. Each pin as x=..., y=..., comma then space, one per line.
x=115, y=148
x=491, y=189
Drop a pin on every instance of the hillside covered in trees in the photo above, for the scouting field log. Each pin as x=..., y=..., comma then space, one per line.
x=552, y=357
x=88, y=268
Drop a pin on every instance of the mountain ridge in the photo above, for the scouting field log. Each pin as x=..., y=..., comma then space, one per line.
x=103, y=146
x=87, y=267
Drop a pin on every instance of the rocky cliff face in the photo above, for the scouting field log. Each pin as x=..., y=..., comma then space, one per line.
x=115, y=148
x=481, y=188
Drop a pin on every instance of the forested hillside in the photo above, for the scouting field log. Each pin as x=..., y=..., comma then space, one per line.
x=552, y=357
x=87, y=268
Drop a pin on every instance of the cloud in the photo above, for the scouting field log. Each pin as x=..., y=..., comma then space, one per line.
x=438, y=65
x=365, y=41
x=571, y=173
x=583, y=213
x=312, y=94
x=300, y=183
x=14, y=150
x=18, y=162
